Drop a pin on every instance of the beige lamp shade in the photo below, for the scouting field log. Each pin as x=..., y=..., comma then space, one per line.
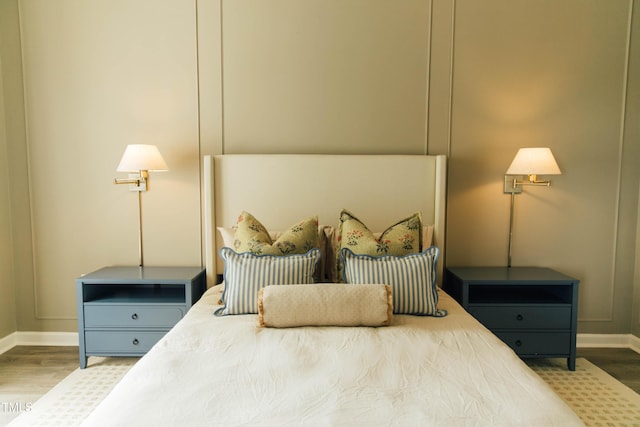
x=534, y=161
x=138, y=157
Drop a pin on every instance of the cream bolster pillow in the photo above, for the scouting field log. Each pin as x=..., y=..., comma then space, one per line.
x=325, y=304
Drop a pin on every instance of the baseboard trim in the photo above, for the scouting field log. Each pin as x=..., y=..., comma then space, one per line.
x=8, y=342
x=609, y=341
x=71, y=339
x=635, y=344
x=38, y=338
x=48, y=338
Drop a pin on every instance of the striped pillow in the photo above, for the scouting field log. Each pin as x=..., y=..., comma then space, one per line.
x=245, y=274
x=412, y=278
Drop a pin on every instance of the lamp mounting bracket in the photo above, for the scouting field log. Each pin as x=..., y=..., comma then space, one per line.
x=512, y=185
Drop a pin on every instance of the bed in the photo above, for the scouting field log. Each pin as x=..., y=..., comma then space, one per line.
x=439, y=369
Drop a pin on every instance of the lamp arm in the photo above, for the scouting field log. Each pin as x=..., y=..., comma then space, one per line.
x=135, y=181
x=139, y=182
x=533, y=180
x=513, y=185
x=535, y=183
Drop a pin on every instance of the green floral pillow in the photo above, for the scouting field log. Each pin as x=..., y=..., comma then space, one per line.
x=251, y=236
x=402, y=238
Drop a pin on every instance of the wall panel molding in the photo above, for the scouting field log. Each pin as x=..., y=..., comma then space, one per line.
x=210, y=78
x=99, y=76
x=518, y=81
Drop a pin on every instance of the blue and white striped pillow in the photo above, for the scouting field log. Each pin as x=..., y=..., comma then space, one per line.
x=245, y=274
x=412, y=278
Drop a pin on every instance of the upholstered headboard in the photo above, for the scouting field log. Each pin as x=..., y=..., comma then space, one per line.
x=282, y=189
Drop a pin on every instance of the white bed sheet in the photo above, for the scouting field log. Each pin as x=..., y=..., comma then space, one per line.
x=424, y=371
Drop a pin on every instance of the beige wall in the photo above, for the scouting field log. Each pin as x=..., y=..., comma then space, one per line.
x=546, y=73
x=635, y=327
x=7, y=294
x=329, y=76
x=9, y=58
x=99, y=76
x=474, y=80
x=632, y=135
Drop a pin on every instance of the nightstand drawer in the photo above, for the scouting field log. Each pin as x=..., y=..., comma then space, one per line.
x=114, y=342
x=537, y=343
x=522, y=317
x=133, y=316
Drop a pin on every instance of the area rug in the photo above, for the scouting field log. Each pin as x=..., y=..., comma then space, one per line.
x=595, y=396
x=73, y=399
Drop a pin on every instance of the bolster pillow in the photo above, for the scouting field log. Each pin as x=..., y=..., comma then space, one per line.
x=327, y=304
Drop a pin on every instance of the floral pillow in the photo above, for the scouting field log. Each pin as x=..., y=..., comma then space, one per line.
x=251, y=236
x=402, y=238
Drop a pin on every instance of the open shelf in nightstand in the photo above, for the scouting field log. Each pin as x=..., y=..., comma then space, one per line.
x=514, y=294
x=147, y=293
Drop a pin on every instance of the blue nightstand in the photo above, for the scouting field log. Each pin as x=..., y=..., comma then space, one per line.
x=124, y=311
x=533, y=310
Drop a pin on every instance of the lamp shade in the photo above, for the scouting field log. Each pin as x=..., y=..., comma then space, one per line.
x=534, y=161
x=139, y=157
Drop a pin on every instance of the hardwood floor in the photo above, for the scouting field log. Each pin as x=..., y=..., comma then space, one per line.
x=621, y=363
x=28, y=373
x=35, y=369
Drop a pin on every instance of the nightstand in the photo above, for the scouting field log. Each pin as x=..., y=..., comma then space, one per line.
x=124, y=311
x=533, y=310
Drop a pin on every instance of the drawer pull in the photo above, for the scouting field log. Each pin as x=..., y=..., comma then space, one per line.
x=135, y=341
x=518, y=343
x=134, y=316
x=519, y=317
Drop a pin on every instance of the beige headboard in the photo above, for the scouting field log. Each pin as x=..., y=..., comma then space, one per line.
x=280, y=190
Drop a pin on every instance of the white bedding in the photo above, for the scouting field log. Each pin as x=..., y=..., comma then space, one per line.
x=447, y=371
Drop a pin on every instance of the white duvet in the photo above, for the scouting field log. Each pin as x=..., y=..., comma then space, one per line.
x=421, y=371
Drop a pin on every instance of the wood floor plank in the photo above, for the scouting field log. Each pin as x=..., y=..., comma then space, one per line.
x=35, y=369
x=621, y=363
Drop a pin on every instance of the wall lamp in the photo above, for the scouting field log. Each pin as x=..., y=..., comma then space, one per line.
x=140, y=159
x=529, y=162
